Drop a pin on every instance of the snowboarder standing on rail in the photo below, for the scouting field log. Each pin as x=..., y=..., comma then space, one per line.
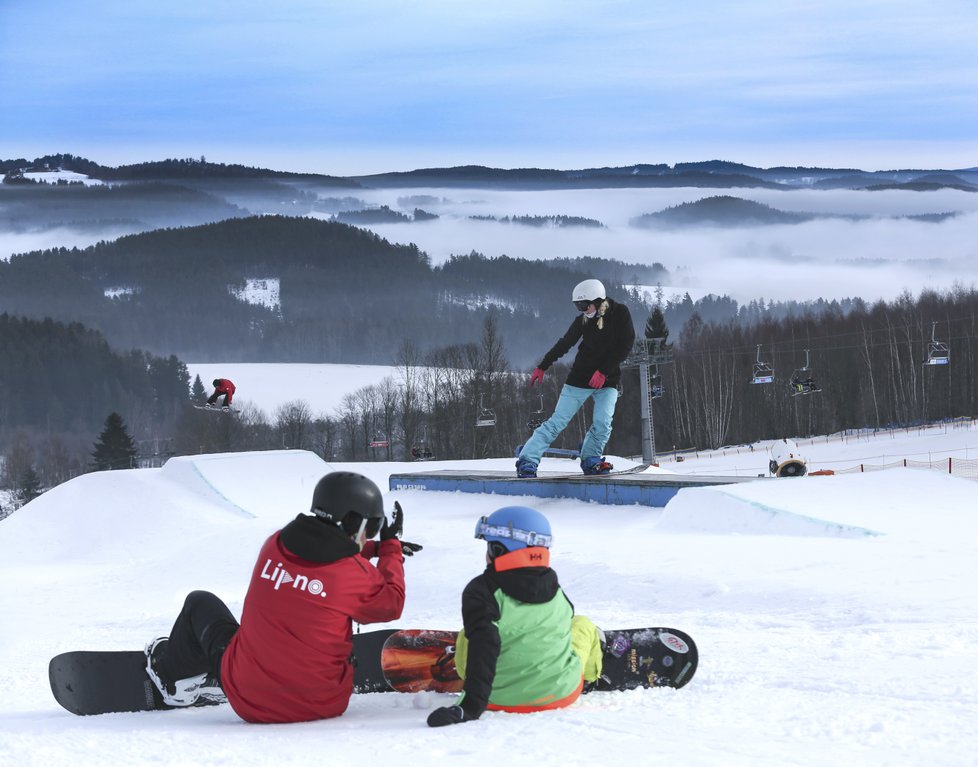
x=521, y=648
x=606, y=333
x=289, y=658
x=225, y=387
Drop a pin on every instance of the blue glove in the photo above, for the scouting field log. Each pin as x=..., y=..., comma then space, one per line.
x=446, y=715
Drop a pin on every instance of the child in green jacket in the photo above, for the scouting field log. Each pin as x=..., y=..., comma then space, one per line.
x=521, y=649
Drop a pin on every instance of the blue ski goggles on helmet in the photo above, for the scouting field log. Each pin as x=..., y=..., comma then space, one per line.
x=485, y=531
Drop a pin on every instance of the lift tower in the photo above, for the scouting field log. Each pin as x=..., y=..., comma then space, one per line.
x=647, y=355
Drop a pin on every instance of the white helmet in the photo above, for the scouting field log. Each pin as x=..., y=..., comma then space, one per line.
x=591, y=291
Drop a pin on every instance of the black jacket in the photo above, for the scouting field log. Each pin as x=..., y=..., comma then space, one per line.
x=605, y=340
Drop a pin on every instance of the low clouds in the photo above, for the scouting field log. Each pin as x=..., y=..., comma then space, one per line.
x=875, y=258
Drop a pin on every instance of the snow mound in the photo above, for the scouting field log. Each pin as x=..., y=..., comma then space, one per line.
x=712, y=510
x=259, y=484
x=852, y=505
x=106, y=515
x=123, y=515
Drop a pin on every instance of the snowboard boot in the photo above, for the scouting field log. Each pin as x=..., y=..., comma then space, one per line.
x=596, y=464
x=525, y=468
x=196, y=690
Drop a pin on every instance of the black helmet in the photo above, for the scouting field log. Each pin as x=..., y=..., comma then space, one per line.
x=216, y=382
x=349, y=500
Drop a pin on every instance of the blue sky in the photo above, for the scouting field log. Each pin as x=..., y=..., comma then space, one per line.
x=362, y=86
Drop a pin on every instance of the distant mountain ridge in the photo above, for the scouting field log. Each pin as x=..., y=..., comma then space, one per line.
x=719, y=174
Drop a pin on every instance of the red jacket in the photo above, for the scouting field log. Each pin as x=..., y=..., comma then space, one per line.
x=289, y=661
x=224, y=386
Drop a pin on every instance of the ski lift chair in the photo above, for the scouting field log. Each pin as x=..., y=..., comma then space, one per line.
x=380, y=440
x=656, y=389
x=421, y=453
x=486, y=417
x=937, y=351
x=803, y=383
x=801, y=380
x=536, y=417
x=763, y=372
x=938, y=354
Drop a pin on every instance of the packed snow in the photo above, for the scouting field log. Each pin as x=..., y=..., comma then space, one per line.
x=835, y=615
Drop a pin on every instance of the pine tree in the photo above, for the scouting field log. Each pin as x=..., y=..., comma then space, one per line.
x=115, y=449
x=198, y=395
x=30, y=486
x=655, y=326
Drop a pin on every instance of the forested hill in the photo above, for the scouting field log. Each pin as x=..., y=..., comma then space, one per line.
x=727, y=211
x=171, y=169
x=274, y=288
x=65, y=378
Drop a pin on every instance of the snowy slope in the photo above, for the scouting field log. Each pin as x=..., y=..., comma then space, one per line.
x=268, y=386
x=835, y=616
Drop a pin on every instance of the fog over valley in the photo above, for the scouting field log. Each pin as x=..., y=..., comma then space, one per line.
x=832, y=258
x=862, y=243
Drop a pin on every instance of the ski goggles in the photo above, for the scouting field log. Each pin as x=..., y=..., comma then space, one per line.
x=485, y=530
x=369, y=527
x=582, y=306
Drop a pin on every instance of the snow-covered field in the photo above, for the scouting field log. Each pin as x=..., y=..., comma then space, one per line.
x=270, y=385
x=836, y=617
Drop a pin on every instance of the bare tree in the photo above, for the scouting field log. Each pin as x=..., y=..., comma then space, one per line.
x=293, y=420
x=410, y=407
x=18, y=461
x=349, y=421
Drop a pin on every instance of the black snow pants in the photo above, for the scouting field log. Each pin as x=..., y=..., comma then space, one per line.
x=199, y=637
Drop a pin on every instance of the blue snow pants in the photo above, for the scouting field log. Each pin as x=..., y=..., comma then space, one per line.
x=572, y=399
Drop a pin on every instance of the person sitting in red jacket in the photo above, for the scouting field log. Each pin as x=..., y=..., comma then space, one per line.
x=289, y=658
x=222, y=386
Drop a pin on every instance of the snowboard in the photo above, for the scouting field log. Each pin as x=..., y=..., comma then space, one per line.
x=215, y=408
x=581, y=475
x=101, y=682
x=420, y=660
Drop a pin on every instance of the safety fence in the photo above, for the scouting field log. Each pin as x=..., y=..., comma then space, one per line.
x=965, y=468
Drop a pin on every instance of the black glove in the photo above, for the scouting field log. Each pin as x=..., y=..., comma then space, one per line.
x=448, y=715
x=408, y=549
x=396, y=526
